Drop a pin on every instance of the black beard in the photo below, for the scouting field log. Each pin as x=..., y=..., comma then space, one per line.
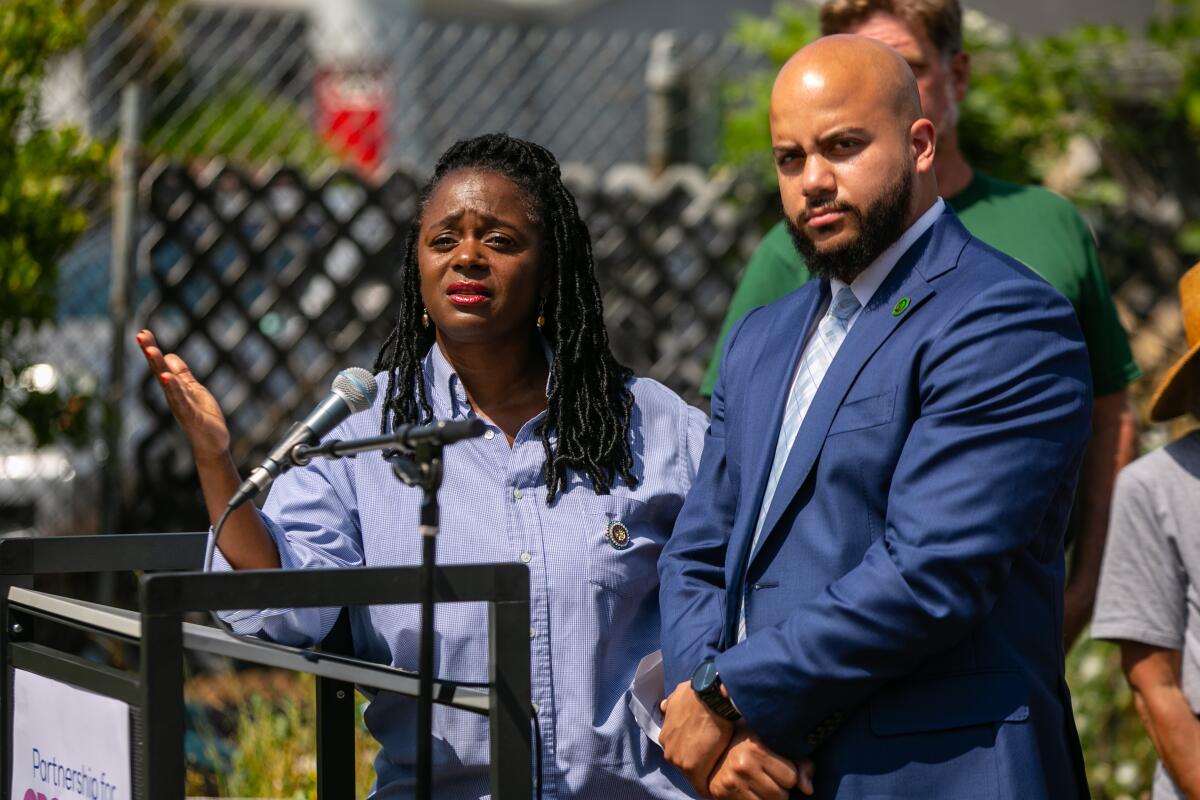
x=878, y=227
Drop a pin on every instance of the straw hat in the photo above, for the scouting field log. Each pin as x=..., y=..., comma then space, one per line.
x=1179, y=391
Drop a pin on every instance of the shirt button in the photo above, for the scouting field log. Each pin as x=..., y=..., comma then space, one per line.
x=532, y=633
x=517, y=494
x=490, y=434
x=525, y=557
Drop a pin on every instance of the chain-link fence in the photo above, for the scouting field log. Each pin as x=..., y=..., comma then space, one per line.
x=233, y=93
x=266, y=284
x=252, y=84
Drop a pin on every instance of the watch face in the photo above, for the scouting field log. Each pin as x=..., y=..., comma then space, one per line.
x=704, y=676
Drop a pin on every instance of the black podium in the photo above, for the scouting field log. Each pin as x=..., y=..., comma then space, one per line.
x=154, y=690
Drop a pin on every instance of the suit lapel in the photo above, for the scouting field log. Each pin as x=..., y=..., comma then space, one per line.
x=775, y=368
x=935, y=251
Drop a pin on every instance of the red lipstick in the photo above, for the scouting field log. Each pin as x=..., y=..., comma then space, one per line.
x=468, y=293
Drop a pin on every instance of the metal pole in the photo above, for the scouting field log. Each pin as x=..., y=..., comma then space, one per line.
x=666, y=111
x=162, y=706
x=124, y=244
x=335, y=720
x=429, y=531
x=423, y=468
x=11, y=632
x=509, y=712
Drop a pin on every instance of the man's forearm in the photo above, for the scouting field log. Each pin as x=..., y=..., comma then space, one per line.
x=1175, y=731
x=1155, y=675
x=1112, y=446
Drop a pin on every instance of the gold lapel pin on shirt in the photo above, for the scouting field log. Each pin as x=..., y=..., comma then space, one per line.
x=618, y=535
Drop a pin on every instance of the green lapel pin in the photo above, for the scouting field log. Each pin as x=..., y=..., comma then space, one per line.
x=900, y=306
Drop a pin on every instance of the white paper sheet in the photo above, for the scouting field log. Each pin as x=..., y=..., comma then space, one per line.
x=646, y=693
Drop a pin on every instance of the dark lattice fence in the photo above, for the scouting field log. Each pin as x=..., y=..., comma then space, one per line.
x=266, y=285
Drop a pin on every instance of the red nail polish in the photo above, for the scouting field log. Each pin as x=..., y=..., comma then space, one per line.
x=163, y=378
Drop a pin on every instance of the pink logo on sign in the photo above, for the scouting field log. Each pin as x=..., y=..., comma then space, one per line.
x=30, y=794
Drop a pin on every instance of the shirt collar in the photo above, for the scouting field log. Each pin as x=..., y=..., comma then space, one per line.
x=447, y=395
x=871, y=278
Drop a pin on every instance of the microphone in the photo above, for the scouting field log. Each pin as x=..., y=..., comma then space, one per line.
x=407, y=438
x=438, y=432
x=353, y=390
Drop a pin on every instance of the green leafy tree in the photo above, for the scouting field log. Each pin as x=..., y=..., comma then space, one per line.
x=1021, y=110
x=1029, y=98
x=747, y=136
x=47, y=173
x=40, y=167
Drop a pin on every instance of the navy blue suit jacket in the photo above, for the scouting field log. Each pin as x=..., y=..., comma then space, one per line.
x=904, y=602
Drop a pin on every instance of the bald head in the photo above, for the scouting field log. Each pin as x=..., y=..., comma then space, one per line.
x=853, y=154
x=846, y=65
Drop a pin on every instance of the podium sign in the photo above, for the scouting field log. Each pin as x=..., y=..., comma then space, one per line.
x=61, y=742
x=67, y=744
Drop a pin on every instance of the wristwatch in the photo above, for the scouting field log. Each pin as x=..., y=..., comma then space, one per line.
x=706, y=683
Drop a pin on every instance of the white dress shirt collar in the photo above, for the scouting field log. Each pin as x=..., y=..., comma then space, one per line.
x=871, y=278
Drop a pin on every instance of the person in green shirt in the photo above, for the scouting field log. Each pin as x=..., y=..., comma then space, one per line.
x=1029, y=223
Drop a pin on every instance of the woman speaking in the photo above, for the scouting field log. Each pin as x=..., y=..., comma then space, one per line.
x=580, y=475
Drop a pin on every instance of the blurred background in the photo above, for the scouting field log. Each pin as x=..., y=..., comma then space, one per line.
x=239, y=176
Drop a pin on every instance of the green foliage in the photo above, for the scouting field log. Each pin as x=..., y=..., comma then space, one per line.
x=1179, y=33
x=1028, y=99
x=43, y=170
x=271, y=746
x=199, y=116
x=1019, y=112
x=240, y=119
x=39, y=167
x=747, y=135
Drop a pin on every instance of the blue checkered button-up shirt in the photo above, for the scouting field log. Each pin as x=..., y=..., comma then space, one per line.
x=594, y=606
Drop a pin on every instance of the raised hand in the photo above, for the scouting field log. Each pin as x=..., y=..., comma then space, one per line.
x=245, y=541
x=749, y=770
x=192, y=405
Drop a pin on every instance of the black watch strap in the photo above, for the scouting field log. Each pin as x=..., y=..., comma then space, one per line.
x=721, y=705
x=706, y=683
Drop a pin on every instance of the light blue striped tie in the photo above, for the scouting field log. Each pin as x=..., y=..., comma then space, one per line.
x=814, y=363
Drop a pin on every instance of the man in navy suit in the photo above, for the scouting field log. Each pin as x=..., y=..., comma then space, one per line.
x=868, y=570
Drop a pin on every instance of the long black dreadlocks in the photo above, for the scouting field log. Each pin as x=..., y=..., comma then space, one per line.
x=589, y=406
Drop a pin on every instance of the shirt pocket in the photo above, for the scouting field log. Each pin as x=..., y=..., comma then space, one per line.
x=622, y=544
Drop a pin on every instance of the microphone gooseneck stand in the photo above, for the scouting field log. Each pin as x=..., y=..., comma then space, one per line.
x=415, y=455
x=423, y=468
